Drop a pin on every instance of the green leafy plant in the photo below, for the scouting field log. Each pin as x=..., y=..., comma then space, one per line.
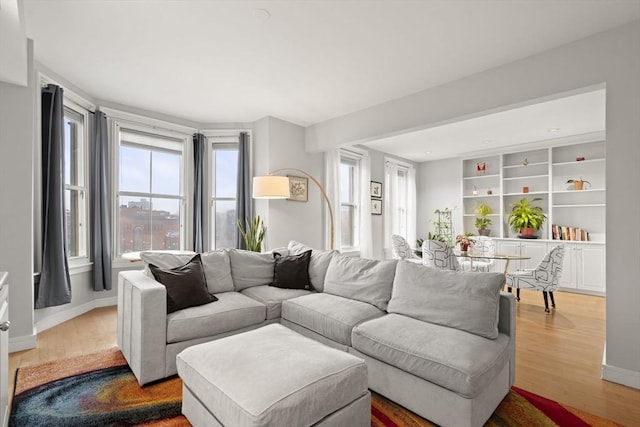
x=525, y=215
x=252, y=233
x=482, y=211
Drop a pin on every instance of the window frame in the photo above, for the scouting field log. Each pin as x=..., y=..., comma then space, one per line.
x=355, y=160
x=70, y=108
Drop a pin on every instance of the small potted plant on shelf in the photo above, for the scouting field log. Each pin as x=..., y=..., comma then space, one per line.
x=578, y=184
x=464, y=240
x=526, y=218
x=482, y=222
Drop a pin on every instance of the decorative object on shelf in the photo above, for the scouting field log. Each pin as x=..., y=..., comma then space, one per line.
x=464, y=240
x=526, y=162
x=278, y=187
x=580, y=159
x=489, y=191
x=526, y=218
x=252, y=233
x=482, y=222
x=298, y=188
x=376, y=190
x=376, y=207
x=475, y=191
x=525, y=189
x=481, y=168
x=578, y=184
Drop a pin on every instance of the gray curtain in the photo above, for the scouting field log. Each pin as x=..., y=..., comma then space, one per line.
x=100, y=190
x=55, y=286
x=199, y=141
x=243, y=200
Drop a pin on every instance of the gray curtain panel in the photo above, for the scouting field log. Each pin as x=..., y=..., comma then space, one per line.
x=243, y=200
x=199, y=141
x=55, y=285
x=100, y=190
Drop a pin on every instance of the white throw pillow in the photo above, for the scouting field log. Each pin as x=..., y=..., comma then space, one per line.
x=467, y=301
x=317, y=266
x=365, y=280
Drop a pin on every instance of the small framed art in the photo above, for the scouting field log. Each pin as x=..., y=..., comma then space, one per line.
x=376, y=207
x=298, y=188
x=376, y=190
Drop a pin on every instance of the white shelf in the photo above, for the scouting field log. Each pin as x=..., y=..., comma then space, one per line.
x=526, y=194
x=486, y=215
x=583, y=205
x=578, y=162
x=481, y=196
x=589, y=190
x=523, y=166
x=482, y=176
x=525, y=177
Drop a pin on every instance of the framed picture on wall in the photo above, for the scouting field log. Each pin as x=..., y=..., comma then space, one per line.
x=376, y=190
x=376, y=207
x=298, y=188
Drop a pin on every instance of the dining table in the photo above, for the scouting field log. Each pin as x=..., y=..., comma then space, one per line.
x=497, y=256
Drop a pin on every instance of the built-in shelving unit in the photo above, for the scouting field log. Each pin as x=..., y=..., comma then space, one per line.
x=543, y=174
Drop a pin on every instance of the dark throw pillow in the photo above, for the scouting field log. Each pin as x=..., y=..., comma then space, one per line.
x=292, y=272
x=186, y=285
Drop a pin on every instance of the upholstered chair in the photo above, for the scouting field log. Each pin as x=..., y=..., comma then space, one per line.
x=439, y=255
x=544, y=277
x=482, y=245
x=401, y=250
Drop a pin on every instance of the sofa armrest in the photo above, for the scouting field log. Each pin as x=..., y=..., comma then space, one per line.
x=507, y=326
x=142, y=324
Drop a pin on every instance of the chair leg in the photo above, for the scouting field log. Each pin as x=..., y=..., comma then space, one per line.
x=553, y=302
x=546, y=301
x=518, y=294
x=509, y=289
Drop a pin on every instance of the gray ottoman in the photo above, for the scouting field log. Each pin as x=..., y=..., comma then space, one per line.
x=272, y=376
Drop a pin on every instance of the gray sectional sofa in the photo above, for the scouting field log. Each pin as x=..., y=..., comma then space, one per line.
x=440, y=343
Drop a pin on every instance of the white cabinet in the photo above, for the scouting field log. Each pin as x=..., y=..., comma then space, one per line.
x=584, y=267
x=534, y=249
x=4, y=350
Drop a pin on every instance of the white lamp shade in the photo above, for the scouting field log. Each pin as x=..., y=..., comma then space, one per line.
x=271, y=187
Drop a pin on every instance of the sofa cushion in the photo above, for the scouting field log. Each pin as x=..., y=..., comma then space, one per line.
x=232, y=311
x=164, y=260
x=361, y=279
x=456, y=360
x=329, y=315
x=250, y=268
x=272, y=297
x=317, y=266
x=186, y=285
x=292, y=271
x=463, y=300
x=217, y=270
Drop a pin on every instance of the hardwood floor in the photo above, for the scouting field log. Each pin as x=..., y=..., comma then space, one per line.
x=558, y=356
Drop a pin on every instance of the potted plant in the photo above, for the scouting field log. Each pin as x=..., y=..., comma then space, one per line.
x=578, y=184
x=252, y=233
x=482, y=222
x=464, y=240
x=526, y=218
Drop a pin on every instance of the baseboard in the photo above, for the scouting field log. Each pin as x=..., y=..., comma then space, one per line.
x=621, y=376
x=63, y=316
x=24, y=342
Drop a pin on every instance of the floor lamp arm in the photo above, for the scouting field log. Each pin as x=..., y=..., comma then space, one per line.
x=324, y=195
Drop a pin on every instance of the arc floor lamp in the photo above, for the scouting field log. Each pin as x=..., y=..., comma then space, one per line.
x=277, y=187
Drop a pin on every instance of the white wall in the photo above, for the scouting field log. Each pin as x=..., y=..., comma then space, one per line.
x=16, y=201
x=613, y=58
x=438, y=187
x=13, y=43
x=280, y=144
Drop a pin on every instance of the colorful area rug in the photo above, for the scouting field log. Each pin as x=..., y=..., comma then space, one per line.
x=100, y=390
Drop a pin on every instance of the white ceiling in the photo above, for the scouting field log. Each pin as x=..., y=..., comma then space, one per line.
x=222, y=61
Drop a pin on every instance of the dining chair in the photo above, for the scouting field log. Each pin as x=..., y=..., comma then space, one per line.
x=545, y=277
x=400, y=249
x=439, y=255
x=482, y=245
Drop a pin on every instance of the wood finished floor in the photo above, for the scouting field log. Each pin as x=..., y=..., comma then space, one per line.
x=558, y=355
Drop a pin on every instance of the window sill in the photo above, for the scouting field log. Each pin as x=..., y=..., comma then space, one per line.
x=80, y=266
x=350, y=252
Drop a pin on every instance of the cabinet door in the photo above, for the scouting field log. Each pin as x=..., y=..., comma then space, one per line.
x=511, y=248
x=591, y=262
x=535, y=251
x=568, y=277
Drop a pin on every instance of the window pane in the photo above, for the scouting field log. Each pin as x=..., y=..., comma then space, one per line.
x=165, y=173
x=347, y=222
x=226, y=230
x=226, y=170
x=347, y=172
x=165, y=224
x=135, y=224
x=135, y=166
x=71, y=152
x=72, y=218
